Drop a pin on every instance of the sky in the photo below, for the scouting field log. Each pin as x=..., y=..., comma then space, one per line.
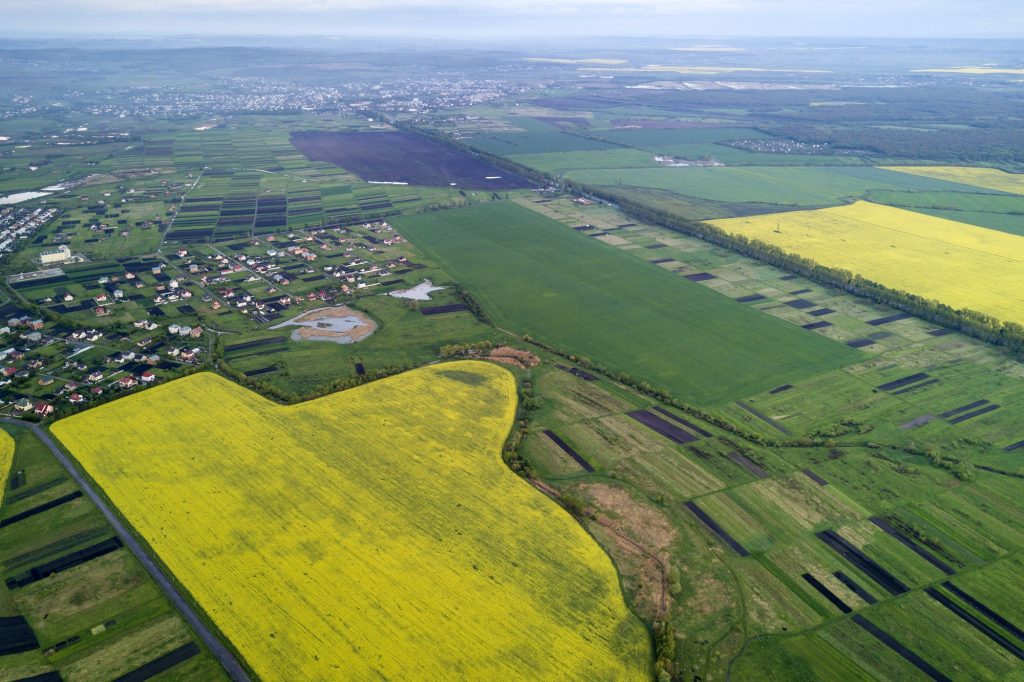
x=496, y=19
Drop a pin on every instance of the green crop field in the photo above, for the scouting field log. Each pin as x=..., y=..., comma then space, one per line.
x=536, y=142
x=537, y=277
x=794, y=186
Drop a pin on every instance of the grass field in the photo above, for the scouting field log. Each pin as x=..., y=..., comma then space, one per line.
x=987, y=178
x=960, y=265
x=374, y=531
x=537, y=277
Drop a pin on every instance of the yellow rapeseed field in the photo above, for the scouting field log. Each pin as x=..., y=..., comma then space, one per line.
x=370, y=534
x=958, y=264
x=6, y=459
x=986, y=178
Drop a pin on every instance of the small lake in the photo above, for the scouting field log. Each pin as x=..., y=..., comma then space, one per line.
x=420, y=292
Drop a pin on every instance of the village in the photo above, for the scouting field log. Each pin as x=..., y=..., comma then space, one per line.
x=85, y=332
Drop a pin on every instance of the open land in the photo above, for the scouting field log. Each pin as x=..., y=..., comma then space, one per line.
x=353, y=489
x=904, y=250
x=987, y=178
x=631, y=316
x=404, y=158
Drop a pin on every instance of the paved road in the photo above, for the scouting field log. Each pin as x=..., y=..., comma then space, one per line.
x=226, y=658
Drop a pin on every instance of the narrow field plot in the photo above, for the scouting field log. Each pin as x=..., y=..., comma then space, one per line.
x=987, y=178
x=957, y=264
x=944, y=640
x=743, y=524
x=804, y=657
x=795, y=502
x=373, y=533
x=772, y=605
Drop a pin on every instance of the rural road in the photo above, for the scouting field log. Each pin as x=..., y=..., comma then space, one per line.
x=226, y=658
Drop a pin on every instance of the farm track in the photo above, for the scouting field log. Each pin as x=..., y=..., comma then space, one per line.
x=216, y=647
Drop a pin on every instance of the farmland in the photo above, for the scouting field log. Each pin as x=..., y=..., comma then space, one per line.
x=354, y=490
x=404, y=158
x=626, y=314
x=761, y=476
x=987, y=178
x=902, y=250
x=74, y=601
x=750, y=528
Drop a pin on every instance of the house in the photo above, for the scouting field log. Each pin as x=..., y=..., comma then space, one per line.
x=147, y=377
x=173, y=328
x=94, y=377
x=96, y=390
x=23, y=405
x=184, y=330
x=33, y=337
x=35, y=324
x=45, y=380
x=61, y=254
x=127, y=381
x=76, y=398
x=10, y=371
x=196, y=332
x=43, y=409
x=100, y=311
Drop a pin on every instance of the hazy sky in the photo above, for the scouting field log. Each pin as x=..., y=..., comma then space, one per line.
x=480, y=19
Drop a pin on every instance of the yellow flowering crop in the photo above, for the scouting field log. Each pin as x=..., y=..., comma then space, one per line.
x=958, y=264
x=370, y=534
x=987, y=178
x=6, y=459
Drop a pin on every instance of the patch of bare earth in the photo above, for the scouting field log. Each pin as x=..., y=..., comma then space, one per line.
x=638, y=537
x=513, y=356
